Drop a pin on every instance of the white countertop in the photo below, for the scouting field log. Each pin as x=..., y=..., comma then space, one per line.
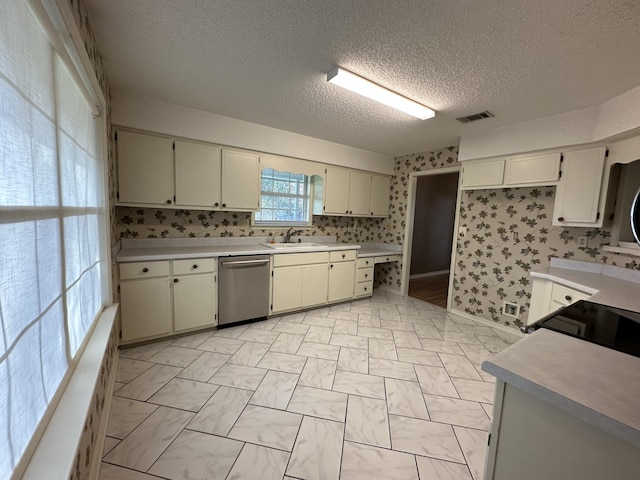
x=609, y=285
x=598, y=385
x=176, y=249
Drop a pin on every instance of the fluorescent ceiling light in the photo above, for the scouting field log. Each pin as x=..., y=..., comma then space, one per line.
x=366, y=88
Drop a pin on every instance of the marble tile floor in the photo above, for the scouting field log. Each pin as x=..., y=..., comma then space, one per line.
x=387, y=387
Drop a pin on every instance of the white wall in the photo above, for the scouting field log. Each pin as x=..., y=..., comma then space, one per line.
x=157, y=116
x=611, y=118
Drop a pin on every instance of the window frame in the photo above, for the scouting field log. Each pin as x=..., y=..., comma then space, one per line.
x=307, y=197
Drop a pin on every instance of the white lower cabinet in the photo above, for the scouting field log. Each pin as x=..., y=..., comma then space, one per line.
x=364, y=277
x=166, y=297
x=195, y=294
x=548, y=296
x=342, y=272
x=145, y=308
x=532, y=439
x=299, y=280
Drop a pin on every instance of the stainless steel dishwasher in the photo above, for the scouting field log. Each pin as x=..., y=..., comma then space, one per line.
x=243, y=289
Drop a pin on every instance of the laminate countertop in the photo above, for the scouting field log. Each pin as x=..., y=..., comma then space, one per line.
x=598, y=385
x=610, y=285
x=145, y=250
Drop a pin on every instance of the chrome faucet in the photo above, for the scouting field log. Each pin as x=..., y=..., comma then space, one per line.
x=291, y=232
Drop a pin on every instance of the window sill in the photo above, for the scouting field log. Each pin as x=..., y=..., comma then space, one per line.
x=55, y=455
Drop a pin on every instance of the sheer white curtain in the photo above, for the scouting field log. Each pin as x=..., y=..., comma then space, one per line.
x=52, y=242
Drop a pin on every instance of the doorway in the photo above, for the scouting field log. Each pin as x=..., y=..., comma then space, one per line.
x=432, y=207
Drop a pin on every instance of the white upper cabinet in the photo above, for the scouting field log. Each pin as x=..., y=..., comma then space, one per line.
x=512, y=171
x=359, y=193
x=336, y=191
x=240, y=180
x=532, y=169
x=197, y=174
x=578, y=196
x=380, y=190
x=355, y=193
x=145, y=169
x=482, y=174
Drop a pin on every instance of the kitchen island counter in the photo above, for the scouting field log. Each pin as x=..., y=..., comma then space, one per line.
x=597, y=385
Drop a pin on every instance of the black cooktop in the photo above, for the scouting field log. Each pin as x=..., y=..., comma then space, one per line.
x=607, y=326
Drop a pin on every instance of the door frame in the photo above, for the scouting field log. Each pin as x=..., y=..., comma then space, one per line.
x=408, y=231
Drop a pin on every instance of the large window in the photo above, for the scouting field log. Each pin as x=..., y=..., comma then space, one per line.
x=52, y=224
x=284, y=199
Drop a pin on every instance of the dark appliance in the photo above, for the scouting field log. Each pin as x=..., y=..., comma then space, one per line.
x=596, y=323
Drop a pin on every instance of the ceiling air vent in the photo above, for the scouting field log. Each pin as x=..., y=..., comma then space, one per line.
x=475, y=116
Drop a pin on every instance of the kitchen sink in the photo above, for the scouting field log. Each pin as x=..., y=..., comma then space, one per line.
x=285, y=246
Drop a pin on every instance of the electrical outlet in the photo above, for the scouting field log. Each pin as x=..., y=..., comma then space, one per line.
x=582, y=241
x=511, y=309
x=462, y=232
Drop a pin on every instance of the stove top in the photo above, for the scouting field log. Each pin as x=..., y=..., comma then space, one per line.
x=601, y=324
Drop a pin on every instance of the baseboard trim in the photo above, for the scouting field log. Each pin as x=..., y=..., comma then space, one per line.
x=486, y=322
x=395, y=291
x=428, y=274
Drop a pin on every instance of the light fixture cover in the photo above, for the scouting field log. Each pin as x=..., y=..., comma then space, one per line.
x=350, y=81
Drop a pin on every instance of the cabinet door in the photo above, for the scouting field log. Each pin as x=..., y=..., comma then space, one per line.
x=145, y=308
x=197, y=175
x=336, y=191
x=578, y=193
x=341, y=280
x=315, y=284
x=532, y=169
x=287, y=288
x=359, y=193
x=483, y=174
x=240, y=181
x=380, y=191
x=194, y=301
x=145, y=169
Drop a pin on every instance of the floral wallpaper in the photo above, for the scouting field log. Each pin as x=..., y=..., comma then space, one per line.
x=509, y=234
x=166, y=223
x=86, y=451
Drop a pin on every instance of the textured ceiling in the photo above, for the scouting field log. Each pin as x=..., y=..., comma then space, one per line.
x=265, y=61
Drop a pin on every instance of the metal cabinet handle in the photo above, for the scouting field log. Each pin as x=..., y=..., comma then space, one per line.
x=195, y=266
x=366, y=275
x=168, y=202
x=561, y=219
x=331, y=266
x=175, y=280
x=216, y=204
x=224, y=204
x=145, y=270
x=343, y=255
x=567, y=298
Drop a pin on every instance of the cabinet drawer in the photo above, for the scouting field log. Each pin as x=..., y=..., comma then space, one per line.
x=364, y=288
x=196, y=265
x=387, y=258
x=342, y=255
x=565, y=295
x=289, y=259
x=364, y=274
x=365, y=262
x=144, y=270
